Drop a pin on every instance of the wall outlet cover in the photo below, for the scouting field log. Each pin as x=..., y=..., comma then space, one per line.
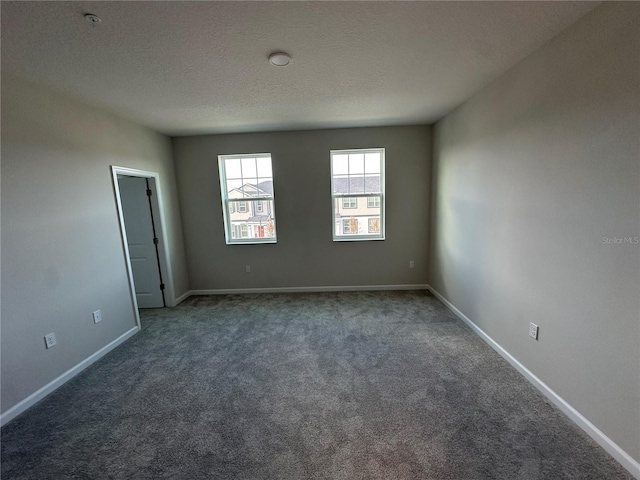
x=97, y=316
x=50, y=340
x=533, y=331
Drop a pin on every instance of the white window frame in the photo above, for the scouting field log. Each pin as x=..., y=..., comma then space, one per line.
x=369, y=202
x=339, y=197
x=344, y=203
x=226, y=203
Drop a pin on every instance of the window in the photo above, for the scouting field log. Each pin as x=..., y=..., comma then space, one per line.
x=357, y=176
x=240, y=231
x=349, y=202
x=246, y=184
x=350, y=226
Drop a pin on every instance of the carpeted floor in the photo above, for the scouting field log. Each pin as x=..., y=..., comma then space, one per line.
x=367, y=385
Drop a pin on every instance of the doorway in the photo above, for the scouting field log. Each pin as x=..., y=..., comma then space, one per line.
x=143, y=233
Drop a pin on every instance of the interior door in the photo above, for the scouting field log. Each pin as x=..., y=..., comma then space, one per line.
x=139, y=225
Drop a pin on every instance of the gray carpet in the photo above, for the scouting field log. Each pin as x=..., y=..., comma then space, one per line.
x=381, y=385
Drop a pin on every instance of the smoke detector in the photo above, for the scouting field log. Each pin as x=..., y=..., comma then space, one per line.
x=279, y=59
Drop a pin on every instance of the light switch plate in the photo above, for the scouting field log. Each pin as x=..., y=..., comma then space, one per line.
x=533, y=331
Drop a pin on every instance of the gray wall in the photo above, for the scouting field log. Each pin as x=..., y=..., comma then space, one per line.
x=62, y=256
x=305, y=254
x=529, y=175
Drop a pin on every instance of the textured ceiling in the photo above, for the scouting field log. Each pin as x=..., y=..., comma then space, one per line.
x=201, y=67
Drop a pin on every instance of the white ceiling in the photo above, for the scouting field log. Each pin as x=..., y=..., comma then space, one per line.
x=201, y=67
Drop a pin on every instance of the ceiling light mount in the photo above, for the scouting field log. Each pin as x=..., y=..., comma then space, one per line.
x=279, y=59
x=92, y=19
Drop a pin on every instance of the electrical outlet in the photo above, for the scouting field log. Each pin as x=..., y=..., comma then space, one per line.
x=97, y=316
x=533, y=331
x=50, y=340
x=247, y=268
x=411, y=264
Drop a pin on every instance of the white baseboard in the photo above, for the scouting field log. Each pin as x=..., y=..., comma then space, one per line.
x=182, y=298
x=35, y=397
x=328, y=288
x=626, y=460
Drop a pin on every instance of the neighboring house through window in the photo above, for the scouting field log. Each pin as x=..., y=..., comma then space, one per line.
x=349, y=202
x=350, y=226
x=246, y=184
x=357, y=189
x=240, y=231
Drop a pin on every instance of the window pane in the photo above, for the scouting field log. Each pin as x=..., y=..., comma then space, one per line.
x=356, y=184
x=264, y=167
x=355, y=213
x=356, y=164
x=340, y=164
x=372, y=162
x=250, y=187
x=372, y=184
x=341, y=184
x=249, y=168
x=234, y=188
x=265, y=186
x=232, y=168
x=253, y=219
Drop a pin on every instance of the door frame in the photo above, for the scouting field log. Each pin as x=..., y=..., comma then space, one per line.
x=159, y=218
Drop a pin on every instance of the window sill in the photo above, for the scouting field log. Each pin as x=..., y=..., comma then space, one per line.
x=356, y=239
x=251, y=241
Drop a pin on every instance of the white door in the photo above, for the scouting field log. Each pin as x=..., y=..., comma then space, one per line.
x=139, y=226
